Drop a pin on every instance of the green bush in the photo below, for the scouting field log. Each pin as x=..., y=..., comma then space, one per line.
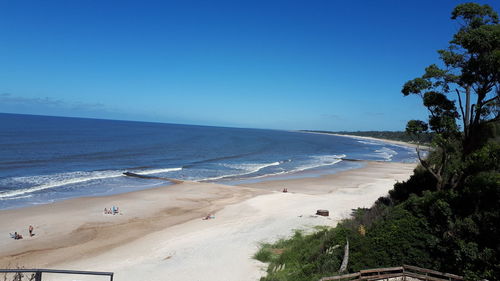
x=263, y=255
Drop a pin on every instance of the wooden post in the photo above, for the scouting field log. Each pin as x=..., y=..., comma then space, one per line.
x=38, y=276
x=324, y=213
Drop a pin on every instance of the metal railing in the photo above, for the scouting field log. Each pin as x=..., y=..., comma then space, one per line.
x=396, y=272
x=38, y=273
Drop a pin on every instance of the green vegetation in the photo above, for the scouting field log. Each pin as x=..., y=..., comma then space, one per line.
x=447, y=215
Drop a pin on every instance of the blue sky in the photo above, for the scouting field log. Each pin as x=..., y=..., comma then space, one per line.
x=329, y=65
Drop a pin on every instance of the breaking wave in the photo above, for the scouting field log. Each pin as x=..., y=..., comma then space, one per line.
x=44, y=182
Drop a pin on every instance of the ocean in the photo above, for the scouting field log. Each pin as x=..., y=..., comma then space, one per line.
x=45, y=159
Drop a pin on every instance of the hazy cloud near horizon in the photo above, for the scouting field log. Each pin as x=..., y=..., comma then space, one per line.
x=12, y=103
x=8, y=98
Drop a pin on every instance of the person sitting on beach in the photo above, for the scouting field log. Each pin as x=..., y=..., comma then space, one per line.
x=17, y=236
x=30, y=229
x=105, y=211
x=209, y=216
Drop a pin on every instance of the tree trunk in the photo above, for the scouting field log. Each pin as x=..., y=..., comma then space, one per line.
x=467, y=111
x=345, y=260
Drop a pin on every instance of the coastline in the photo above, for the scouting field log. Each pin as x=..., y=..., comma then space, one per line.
x=400, y=143
x=161, y=233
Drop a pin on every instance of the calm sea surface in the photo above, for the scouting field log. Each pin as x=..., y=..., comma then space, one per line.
x=44, y=159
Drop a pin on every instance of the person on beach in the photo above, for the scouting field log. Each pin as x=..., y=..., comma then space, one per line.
x=17, y=236
x=30, y=229
x=209, y=216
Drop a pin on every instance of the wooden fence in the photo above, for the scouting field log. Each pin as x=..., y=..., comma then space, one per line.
x=405, y=273
x=38, y=273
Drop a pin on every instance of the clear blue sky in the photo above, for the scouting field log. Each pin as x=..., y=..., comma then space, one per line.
x=331, y=65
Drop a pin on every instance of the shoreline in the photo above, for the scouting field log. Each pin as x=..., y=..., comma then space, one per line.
x=400, y=143
x=161, y=231
x=25, y=200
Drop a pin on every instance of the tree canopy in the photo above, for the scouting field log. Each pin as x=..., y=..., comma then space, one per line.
x=446, y=215
x=469, y=71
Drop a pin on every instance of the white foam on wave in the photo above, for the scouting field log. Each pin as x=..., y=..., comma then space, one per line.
x=44, y=182
x=50, y=181
x=316, y=161
x=409, y=148
x=245, y=168
x=17, y=197
x=319, y=161
x=385, y=144
x=251, y=167
x=386, y=153
x=158, y=171
x=369, y=142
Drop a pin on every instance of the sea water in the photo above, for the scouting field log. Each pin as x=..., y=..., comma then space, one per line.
x=44, y=159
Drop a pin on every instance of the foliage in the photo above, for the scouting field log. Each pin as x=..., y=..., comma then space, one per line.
x=470, y=66
x=305, y=257
x=391, y=240
x=446, y=216
x=416, y=128
x=448, y=230
x=264, y=254
x=420, y=181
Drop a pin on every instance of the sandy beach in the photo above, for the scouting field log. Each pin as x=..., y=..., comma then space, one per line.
x=160, y=233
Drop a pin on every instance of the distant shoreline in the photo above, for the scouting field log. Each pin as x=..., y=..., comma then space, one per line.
x=402, y=143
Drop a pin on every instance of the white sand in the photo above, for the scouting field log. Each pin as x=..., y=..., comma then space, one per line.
x=173, y=243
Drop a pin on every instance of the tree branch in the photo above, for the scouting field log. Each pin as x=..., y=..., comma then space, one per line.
x=472, y=116
x=497, y=118
x=464, y=118
x=490, y=100
x=444, y=157
x=456, y=181
x=426, y=166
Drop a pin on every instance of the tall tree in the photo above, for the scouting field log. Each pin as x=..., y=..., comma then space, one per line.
x=470, y=69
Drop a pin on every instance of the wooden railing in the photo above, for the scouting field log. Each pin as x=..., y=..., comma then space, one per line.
x=400, y=272
x=37, y=273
